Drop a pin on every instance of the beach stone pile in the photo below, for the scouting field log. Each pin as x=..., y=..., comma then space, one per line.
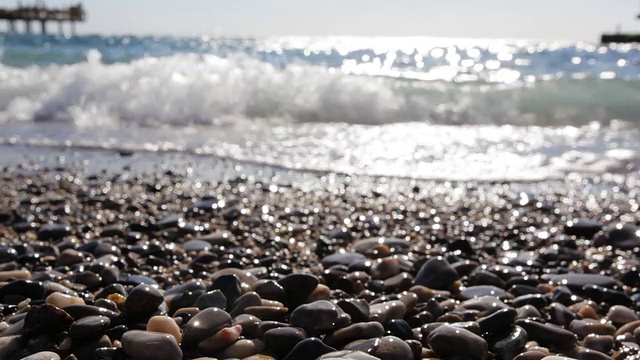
x=166, y=268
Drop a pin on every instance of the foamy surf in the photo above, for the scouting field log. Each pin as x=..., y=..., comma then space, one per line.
x=320, y=107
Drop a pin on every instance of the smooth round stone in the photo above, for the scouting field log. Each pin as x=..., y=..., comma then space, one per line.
x=621, y=314
x=283, y=340
x=46, y=319
x=358, y=309
x=62, y=300
x=557, y=357
x=135, y=280
x=249, y=299
x=386, y=311
x=213, y=298
x=586, y=327
x=369, y=247
x=310, y=348
x=385, y=268
x=528, y=312
x=536, y=300
x=399, y=328
x=89, y=326
x=577, y=281
x=499, y=321
x=345, y=259
x=34, y=290
x=448, y=341
x=15, y=274
x=204, y=324
x=560, y=314
x=347, y=354
x=531, y=355
x=319, y=317
x=243, y=348
x=249, y=325
x=220, y=340
x=9, y=345
x=297, y=288
x=112, y=289
x=43, y=355
x=365, y=330
x=166, y=325
x=142, y=302
x=626, y=237
x=628, y=328
x=196, y=245
x=436, y=273
x=582, y=228
x=512, y=345
x=393, y=348
x=548, y=335
x=53, y=231
x=602, y=343
x=145, y=345
x=483, y=290
x=269, y=289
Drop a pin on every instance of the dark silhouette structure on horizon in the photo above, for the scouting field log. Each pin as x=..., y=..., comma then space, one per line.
x=621, y=38
x=42, y=14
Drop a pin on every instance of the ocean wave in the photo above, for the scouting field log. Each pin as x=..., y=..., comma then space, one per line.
x=197, y=89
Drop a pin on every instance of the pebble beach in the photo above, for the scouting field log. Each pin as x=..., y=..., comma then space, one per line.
x=115, y=265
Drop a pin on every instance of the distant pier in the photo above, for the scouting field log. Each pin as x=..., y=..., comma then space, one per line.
x=43, y=15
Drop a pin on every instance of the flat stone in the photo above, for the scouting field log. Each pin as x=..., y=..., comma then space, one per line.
x=213, y=298
x=448, y=341
x=625, y=237
x=370, y=247
x=43, y=355
x=297, y=288
x=89, y=326
x=365, y=330
x=46, y=319
x=548, y=335
x=483, y=290
x=53, y=231
x=621, y=314
x=347, y=354
x=145, y=345
x=387, y=311
x=586, y=327
x=584, y=228
x=345, y=259
x=196, y=245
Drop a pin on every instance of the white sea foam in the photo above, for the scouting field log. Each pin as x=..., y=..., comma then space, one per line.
x=315, y=117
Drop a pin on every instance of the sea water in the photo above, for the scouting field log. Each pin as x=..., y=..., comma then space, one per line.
x=422, y=108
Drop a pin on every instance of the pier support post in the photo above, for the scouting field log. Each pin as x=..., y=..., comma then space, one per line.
x=60, y=29
x=43, y=25
x=73, y=27
x=27, y=26
x=12, y=26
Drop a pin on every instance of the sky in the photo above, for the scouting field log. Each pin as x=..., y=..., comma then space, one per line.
x=582, y=20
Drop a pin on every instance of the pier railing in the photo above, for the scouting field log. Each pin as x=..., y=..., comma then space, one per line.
x=43, y=15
